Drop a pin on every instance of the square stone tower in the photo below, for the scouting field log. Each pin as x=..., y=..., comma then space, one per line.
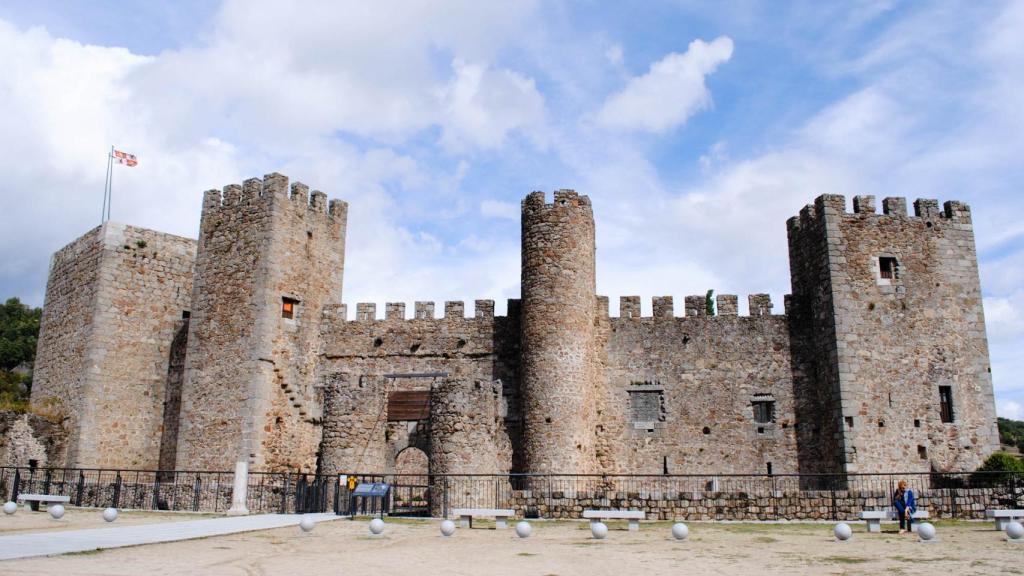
x=890, y=353
x=267, y=265
x=116, y=302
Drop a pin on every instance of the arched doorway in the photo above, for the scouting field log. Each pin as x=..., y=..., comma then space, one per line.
x=411, y=490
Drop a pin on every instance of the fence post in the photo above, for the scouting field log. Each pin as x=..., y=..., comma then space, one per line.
x=17, y=485
x=117, y=489
x=80, y=488
x=197, y=491
x=284, y=495
x=46, y=482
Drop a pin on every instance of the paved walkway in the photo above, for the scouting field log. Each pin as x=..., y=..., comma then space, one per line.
x=53, y=543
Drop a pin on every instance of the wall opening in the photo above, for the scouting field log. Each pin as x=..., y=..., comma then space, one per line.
x=764, y=411
x=922, y=452
x=288, y=306
x=946, y=403
x=769, y=468
x=887, y=268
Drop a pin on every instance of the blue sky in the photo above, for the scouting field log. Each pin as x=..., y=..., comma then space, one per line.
x=696, y=128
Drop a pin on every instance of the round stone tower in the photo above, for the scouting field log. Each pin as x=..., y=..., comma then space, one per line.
x=558, y=357
x=355, y=415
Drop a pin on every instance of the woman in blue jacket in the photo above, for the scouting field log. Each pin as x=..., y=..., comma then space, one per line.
x=903, y=502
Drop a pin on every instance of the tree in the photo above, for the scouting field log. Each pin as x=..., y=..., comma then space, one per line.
x=998, y=469
x=19, y=332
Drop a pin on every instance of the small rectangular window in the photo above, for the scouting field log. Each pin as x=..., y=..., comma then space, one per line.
x=946, y=403
x=288, y=307
x=887, y=268
x=764, y=411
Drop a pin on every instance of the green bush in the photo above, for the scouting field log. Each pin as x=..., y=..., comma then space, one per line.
x=998, y=469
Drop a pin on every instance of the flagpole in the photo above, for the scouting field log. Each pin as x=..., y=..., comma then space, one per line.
x=106, y=183
x=110, y=185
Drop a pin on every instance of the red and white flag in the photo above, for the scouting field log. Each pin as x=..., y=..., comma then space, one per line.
x=124, y=158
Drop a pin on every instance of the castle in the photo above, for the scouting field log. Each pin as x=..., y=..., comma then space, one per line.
x=168, y=353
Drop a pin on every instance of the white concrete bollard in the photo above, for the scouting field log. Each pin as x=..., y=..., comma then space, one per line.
x=523, y=529
x=680, y=531
x=376, y=526
x=110, y=514
x=598, y=530
x=926, y=532
x=843, y=532
x=306, y=523
x=56, y=511
x=240, y=490
x=1014, y=531
x=10, y=508
x=447, y=528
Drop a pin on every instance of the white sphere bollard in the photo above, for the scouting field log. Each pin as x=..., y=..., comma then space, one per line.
x=598, y=530
x=523, y=529
x=56, y=511
x=1014, y=530
x=926, y=531
x=843, y=532
x=10, y=508
x=306, y=523
x=376, y=526
x=447, y=528
x=680, y=531
x=110, y=514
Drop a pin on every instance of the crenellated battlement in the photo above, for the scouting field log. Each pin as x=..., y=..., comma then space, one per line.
x=255, y=193
x=925, y=209
x=564, y=197
x=423, y=310
x=696, y=305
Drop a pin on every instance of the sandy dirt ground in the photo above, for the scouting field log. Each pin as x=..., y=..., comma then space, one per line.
x=26, y=520
x=556, y=548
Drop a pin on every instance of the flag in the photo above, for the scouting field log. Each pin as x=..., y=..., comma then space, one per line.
x=124, y=158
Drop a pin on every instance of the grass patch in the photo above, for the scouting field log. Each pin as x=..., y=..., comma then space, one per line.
x=765, y=539
x=526, y=554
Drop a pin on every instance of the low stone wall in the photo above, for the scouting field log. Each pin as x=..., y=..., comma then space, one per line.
x=961, y=503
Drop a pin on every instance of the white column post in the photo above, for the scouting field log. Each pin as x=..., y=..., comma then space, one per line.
x=241, y=487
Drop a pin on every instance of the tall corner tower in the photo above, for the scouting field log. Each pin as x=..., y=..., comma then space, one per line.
x=893, y=335
x=559, y=362
x=268, y=262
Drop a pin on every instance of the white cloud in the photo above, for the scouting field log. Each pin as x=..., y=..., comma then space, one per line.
x=1010, y=409
x=671, y=91
x=482, y=106
x=498, y=209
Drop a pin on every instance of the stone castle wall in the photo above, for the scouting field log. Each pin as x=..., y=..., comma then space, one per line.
x=897, y=340
x=30, y=439
x=135, y=285
x=354, y=437
x=681, y=391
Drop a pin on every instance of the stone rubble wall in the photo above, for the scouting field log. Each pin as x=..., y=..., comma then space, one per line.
x=354, y=437
x=708, y=370
x=960, y=503
x=25, y=438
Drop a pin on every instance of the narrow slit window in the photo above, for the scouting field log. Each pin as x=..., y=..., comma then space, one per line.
x=946, y=403
x=288, y=307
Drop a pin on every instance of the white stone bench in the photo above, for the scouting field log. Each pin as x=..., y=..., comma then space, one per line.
x=35, y=499
x=1004, y=517
x=634, y=516
x=874, y=518
x=501, y=515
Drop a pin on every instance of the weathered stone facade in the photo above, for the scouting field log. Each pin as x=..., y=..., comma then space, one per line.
x=31, y=440
x=880, y=361
x=113, y=303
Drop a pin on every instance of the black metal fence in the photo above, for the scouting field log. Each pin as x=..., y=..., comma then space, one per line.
x=726, y=496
